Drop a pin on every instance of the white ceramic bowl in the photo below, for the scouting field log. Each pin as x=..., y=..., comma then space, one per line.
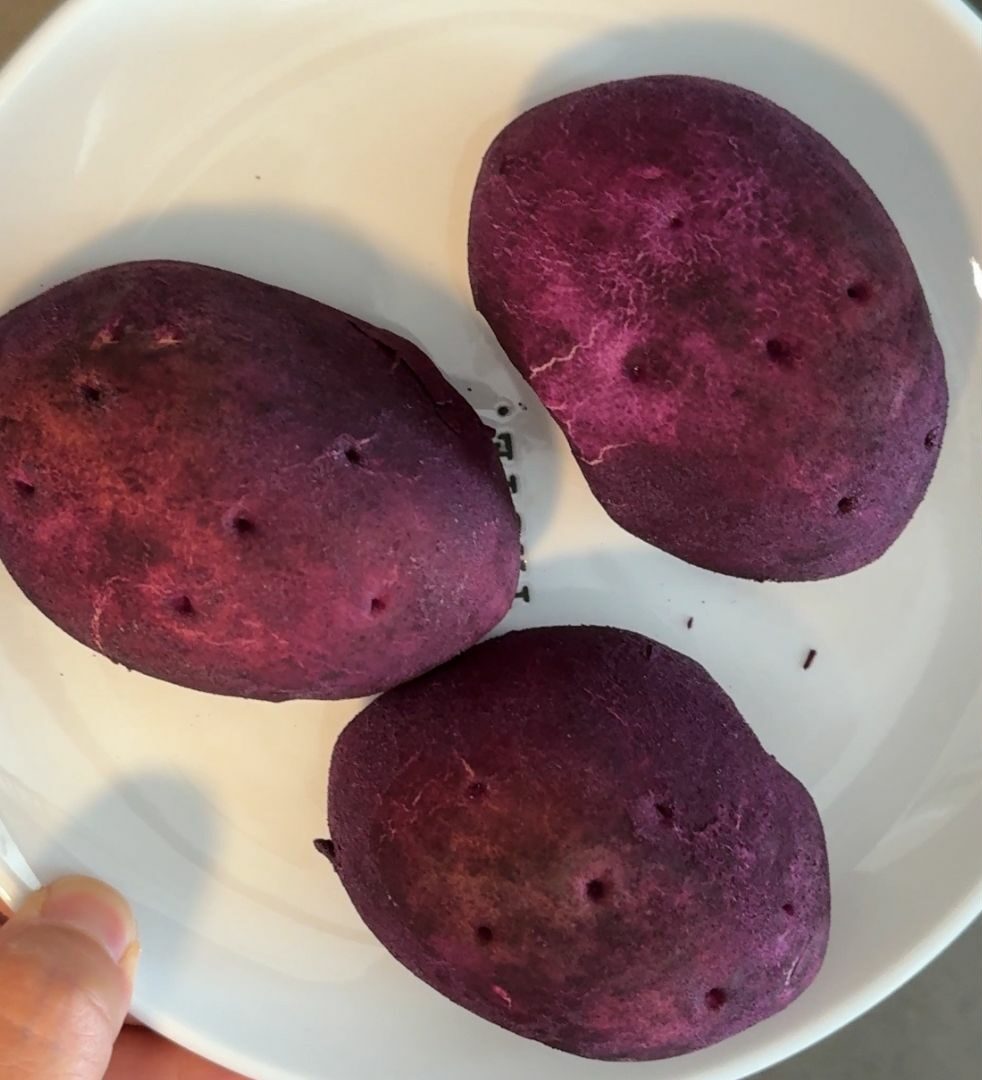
x=331, y=146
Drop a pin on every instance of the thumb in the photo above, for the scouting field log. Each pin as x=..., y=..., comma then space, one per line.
x=67, y=960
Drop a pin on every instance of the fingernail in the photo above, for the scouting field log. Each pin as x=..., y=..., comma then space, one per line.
x=92, y=908
x=131, y=961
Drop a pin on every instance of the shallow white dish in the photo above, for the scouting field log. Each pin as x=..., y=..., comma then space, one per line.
x=331, y=146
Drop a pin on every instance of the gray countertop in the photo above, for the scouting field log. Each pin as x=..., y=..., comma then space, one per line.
x=930, y=1028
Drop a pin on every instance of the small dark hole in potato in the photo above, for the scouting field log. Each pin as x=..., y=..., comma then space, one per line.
x=503, y=410
x=377, y=606
x=353, y=455
x=665, y=812
x=477, y=790
x=675, y=223
x=484, y=935
x=715, y=999
x=635, y=372
x=183, y=605
x=788, y=909
x=859, y=291
x=243, y=525
x=91, y=394
x=596, y=890
x=24, y=488
x=779, y=351
x=931, y=439
x=847, y=504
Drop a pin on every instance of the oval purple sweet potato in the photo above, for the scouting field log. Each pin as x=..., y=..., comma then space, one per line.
x=721, y=316
x=241, y=490
x=573, y=833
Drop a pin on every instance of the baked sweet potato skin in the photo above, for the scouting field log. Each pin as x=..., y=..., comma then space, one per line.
x=244, y=491
x=721, y=316
x=571, y=832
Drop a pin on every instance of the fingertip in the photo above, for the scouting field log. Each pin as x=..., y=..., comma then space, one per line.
x=89, y=906
x=67, y=959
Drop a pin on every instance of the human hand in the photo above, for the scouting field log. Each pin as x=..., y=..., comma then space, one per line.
x=67, y=960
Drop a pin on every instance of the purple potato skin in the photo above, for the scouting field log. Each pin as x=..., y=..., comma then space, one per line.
x=243, y=491
x=721, y=316
x=572, y=832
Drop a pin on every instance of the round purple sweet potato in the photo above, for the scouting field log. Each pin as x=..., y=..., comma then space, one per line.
x=573, y=833
x=241, y=490
x=722, y=318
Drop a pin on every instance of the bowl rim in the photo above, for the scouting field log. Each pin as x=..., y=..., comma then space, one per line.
x=960, y=914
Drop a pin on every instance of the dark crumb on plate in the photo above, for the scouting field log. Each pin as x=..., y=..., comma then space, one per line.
x=809, y=659
x=689, y=622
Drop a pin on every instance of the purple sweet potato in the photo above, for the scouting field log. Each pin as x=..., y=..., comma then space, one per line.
x=722, y=318
x=241, y=490
x=573, y=833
